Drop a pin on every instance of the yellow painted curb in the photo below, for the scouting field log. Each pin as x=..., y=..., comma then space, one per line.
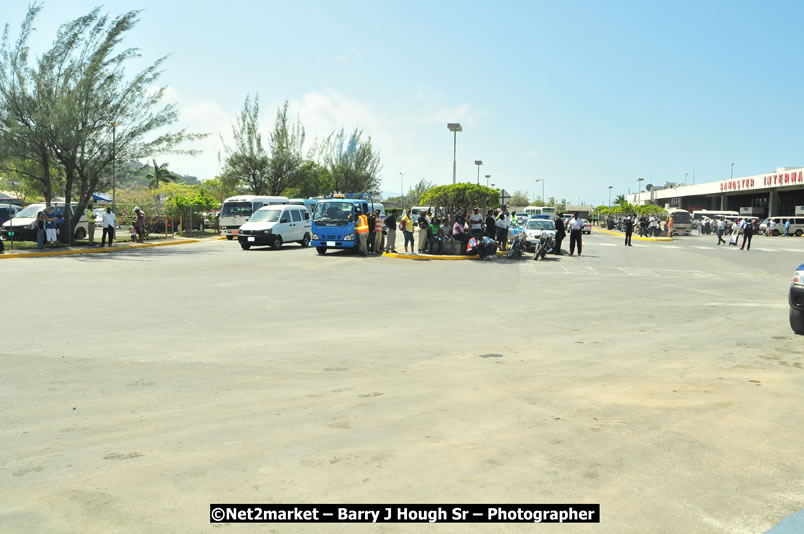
x=620, y=234
x=99, y=250
x=434, y=257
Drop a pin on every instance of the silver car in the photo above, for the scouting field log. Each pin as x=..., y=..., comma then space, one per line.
x=534, y=230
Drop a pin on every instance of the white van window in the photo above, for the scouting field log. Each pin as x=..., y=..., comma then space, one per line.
x=306, y=215
x=296, y=216
x=266, y=215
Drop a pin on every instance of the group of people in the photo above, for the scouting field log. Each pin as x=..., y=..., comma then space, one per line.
x=436, y=233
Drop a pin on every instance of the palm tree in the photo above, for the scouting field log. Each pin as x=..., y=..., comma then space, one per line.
x=160, y=174
x=620, y=200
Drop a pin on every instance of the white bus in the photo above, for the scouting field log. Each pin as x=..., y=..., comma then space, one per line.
x=711, y=214
x=236, y=211
x=530, y=211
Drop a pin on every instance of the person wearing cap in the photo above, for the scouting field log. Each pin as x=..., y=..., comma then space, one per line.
x=139, y=224
x=476, y=223
x=362, y=231
x=576, y=229
x=378, y=224
x=502, y=231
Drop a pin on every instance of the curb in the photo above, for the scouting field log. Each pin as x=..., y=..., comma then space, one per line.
x=620, y=234
x=434, y=257
x=94, y=251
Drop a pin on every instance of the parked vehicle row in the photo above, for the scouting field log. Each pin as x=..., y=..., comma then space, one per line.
x=22, y=227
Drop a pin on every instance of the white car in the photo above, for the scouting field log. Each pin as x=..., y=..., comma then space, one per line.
x=274, y=225
x=534, y=229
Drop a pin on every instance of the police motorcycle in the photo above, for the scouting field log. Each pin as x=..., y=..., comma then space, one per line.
x=518, y=245
x=544, y=246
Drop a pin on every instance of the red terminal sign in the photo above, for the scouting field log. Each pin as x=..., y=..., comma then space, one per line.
x=770, y=180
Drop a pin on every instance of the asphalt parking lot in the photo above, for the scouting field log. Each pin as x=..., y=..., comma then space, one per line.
x=661, y=381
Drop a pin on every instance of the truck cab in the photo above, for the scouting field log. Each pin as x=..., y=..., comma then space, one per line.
x=334, y=221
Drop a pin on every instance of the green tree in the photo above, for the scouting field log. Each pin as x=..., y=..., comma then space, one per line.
x=619, y=199
x=311, y=180
x=220, y=188
x=159, y=174
x=416, y=193
x=456, y=198
x=352, y=162
x=520, y=199
x=248, y=161
x=287, y=143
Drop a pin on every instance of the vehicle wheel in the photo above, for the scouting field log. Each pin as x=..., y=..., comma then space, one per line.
x=277, y=242
x=306, y=241
x=321, y=250
x=245, y=246
x=544, y=252
x=798, y=233
x=775, y=233
x=80, y=233
x=797, y=321
x=229, y=237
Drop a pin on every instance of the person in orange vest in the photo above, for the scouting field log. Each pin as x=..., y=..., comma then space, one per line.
x=362, y=231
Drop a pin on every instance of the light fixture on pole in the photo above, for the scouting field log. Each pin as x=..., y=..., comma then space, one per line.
x=454, y=127
x=488, y=177
x=685, y=177
x=478, y=162
x=401, y=184
x=536, y=181
x=639, y=189
x=610, y=188
x=732, y=169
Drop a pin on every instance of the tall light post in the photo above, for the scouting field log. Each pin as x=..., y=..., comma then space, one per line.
x=536, y=181
x=478, y=162
x=401, y=184
x=488, y=177
x=610, y=188
x=732, y=169
x=639, y=190
x=685, y=177
x=454, y=127
x=114, y=126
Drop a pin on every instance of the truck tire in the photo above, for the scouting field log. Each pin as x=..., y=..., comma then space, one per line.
x=321, y=250
x=245, y=246
x=797, y=321
x=229, y=237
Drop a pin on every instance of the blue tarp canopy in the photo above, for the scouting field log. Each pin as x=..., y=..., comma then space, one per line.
x=100, y=198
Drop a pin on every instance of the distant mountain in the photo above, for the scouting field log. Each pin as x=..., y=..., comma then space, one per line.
x=133, y=173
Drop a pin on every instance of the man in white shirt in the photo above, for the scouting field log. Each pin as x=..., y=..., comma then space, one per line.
x=476, y=221
x=576, y=230
x=108, y=227
x=502, y=231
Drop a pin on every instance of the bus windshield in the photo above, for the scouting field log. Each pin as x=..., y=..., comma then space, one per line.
x=680, y=216
x=332, y=213
x=236, y=209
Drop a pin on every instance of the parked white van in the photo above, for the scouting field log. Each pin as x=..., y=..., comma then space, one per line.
x=275, y=225
x=24, y=222
x=796, y=225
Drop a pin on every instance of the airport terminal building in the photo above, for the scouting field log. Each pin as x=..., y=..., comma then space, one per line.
x=777, y=193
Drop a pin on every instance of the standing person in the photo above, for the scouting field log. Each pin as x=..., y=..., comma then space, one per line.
x=372, y=223
x=770, y=227
x=491, y=229
x=139, y=224
x=362, y=231
x=390, y=223
x=51, y=223
x=629, y=231
x=670, y=227
x=108, y=227
x=41, y=221
x=560, y=234
x=406, y=225
x=476, y=222
x=576, y=227
x=787, y=228
x=721, y=227
x=378, y=224
x=748, y=232
x=90, y=226
x=424, y=228
x=502, y=231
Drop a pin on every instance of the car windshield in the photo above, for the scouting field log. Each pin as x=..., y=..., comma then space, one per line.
x=236, y=209
x=266, y=215
x=540, y=224
x=31, y=211
x=332, y=213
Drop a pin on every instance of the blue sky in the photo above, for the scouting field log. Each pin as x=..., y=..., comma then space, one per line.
x=581, y=94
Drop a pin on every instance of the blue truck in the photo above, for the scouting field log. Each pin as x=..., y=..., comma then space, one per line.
x=334, y=220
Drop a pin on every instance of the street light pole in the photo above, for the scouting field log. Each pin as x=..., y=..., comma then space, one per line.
x=488, y=176
x=732, y=170
x=478, y=162
x=639, y=190
x=610, y=188
x=454, y=127
x=536, y=181
x=401, y=184
x=685, y=177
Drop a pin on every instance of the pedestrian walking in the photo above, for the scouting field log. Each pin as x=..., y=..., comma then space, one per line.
x=406, y=225
x=41, y=221
x=670, y=227
x=362, y=231
x=576, y=228
x=378, y=224
x=90, y=226
x=787, y=228
x=109, y=224
x=372, y=223
x=721, y=227
x=390, y=223
x=560, y=234
x=629, y=231
x=502, y=231
x=139, y=224
x=748, y=232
